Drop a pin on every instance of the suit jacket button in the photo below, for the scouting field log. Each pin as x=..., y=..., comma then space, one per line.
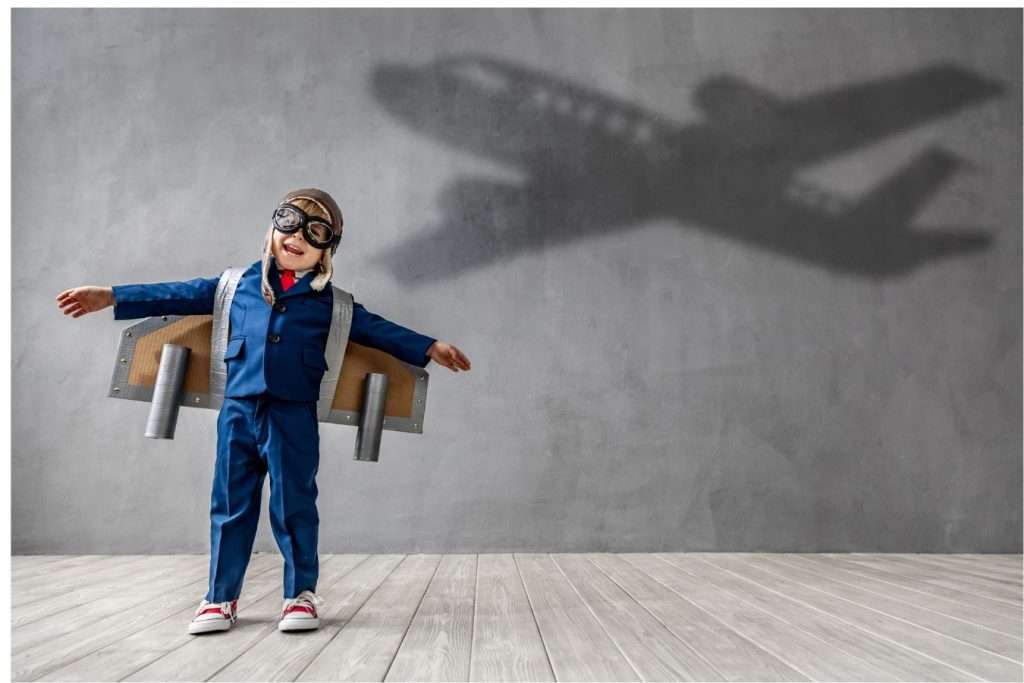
x=274, y=338
x=281, y=308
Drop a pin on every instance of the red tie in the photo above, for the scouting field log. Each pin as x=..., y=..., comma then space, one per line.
x=287, y=279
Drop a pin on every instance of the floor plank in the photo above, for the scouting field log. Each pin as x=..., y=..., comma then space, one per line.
x=101, y=570
x=801, y=650
x=971, y=661
x=967, y=568
x=437, y=645
x=138, y=650
x=577, y=645
x=98, y=586
x=1001, y=623
x=731, y=655
x=914, y=572
x=506, y=641
x=654, y=651
x=28, y=560
x=26, y=565
x=80, y=636
x=173, y=574
x=532, y=617
x=1010, y=563
x=978, y=636
x=997, y=607
x=896, y=660
x=365, y=648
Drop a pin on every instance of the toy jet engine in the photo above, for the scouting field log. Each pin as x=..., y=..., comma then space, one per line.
x=178, y=360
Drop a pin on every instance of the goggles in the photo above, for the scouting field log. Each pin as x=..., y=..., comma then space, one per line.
x=318, y=232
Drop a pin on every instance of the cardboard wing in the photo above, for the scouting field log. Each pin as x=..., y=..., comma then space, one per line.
x=140, y=351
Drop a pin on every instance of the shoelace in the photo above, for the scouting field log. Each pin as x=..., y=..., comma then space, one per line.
x=225, y=607
x=305, y=597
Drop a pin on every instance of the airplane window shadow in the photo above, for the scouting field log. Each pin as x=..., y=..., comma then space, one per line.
x=594, y=164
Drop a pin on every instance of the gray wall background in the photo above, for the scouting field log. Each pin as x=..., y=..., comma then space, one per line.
x=696, y=321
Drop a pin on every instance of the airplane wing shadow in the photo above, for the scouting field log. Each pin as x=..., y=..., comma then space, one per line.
x=487, y=221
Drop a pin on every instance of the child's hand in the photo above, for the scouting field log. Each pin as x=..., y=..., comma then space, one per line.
x=78, y=301
x=448, y=356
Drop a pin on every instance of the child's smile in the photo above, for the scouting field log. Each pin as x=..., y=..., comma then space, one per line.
x=292, y=252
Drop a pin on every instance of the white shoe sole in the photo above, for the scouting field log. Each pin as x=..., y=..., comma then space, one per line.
x=209, y=626
x=298, y=624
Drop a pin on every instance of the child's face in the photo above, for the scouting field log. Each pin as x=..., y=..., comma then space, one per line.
x=284, y=247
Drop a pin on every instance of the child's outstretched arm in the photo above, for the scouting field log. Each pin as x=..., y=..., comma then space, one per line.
x=188, y=297
x=370, y=329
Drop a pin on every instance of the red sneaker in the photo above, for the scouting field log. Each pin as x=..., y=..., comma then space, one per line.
x=300, y=613
x=213, y=616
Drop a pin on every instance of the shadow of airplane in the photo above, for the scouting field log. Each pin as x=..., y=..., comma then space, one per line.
x=593, y=164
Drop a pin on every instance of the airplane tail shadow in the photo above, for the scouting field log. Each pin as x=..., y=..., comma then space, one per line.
x=885, y=214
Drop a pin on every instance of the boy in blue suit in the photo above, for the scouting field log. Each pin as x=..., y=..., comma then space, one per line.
x=279, y=320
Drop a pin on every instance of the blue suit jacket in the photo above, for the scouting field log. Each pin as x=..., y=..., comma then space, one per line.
x=279, y=349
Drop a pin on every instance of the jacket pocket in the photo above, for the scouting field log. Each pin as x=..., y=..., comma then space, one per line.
x=234, y=347
x=314, y=357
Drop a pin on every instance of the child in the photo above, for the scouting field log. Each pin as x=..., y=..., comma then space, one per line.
x=280, y=316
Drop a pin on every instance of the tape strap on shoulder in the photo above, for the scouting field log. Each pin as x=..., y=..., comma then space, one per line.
x=221, y=331
x=337, y=340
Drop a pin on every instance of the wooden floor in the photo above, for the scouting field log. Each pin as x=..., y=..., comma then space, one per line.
x=536, y=617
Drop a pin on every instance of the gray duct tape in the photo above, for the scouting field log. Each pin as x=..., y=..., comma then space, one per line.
x=219, y=335
x=170, y=382
x=371, y=418
x=337, y=340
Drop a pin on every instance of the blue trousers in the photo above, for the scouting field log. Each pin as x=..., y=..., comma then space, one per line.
x=257, y=435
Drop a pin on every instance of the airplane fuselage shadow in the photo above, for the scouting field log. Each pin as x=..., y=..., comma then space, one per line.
x=595, y=164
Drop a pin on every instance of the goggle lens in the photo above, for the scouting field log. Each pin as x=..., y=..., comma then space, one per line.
x=289, y=219
x=320, y=232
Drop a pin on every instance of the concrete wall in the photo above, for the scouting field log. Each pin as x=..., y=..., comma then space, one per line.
x=730, y=280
